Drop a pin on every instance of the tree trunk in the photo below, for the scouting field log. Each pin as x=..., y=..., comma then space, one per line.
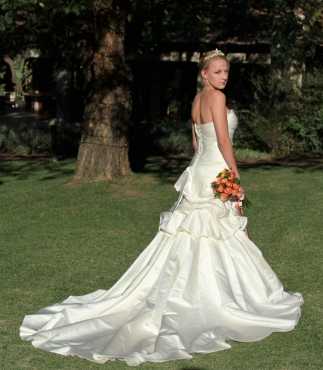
x=296, y=73
x=9, y=61
x=15, y=72
x=103, y=151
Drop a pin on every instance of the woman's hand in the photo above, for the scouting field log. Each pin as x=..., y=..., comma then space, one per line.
x=238, y=203
x=243, y=193
x=236, y=173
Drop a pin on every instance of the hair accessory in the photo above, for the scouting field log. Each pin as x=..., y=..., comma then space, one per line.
x=213, y=53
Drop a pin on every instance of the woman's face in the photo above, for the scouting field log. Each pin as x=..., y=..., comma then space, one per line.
x=216, y=73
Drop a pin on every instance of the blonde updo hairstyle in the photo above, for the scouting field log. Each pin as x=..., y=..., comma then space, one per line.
x=205, y=60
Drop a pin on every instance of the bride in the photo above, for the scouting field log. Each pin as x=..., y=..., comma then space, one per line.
x=200, y=283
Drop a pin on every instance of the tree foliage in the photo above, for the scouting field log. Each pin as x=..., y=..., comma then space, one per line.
x=70, y=32
x=296, y=30
x=62, y=30
x=66, y=30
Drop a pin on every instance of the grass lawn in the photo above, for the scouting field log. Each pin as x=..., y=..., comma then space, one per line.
x=58, y=240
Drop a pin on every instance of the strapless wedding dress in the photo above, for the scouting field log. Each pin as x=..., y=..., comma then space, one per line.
x=200, y=283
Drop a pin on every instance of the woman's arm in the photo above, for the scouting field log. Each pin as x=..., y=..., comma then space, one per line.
x=193, y=108
x=194, y=141
x=219, y=117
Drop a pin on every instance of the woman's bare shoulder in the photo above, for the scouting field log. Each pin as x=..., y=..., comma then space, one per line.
x=196, y=102
x=196, y=99
x=216, y=96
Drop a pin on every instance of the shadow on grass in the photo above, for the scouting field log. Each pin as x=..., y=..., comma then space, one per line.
x=43, y=169
x=302, y=163
x=168, y=169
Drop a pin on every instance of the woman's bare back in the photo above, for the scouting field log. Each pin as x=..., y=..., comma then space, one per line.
x=201, y=107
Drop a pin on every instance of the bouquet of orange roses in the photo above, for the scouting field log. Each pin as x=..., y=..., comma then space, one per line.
x=227, y=186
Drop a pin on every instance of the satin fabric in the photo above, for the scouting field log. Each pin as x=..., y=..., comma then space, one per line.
x=200, y=283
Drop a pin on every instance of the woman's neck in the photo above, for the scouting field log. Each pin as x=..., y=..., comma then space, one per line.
x=207, y=88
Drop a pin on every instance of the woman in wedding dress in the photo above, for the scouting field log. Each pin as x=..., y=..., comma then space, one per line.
x=201, y=281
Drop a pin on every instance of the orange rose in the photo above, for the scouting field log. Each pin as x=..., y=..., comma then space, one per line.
x=224, y=197
x=227, y=190
x=220, y=189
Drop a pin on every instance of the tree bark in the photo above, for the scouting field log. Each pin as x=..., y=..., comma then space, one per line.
x=14, y=79
x=103, y=151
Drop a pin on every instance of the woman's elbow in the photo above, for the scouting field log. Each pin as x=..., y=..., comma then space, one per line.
x=224, y=143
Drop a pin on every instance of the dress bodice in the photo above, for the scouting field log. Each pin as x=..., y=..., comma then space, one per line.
x=206, y=132
x=207, y=162
x=207, y=139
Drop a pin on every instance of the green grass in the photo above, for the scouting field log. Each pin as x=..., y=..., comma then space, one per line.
x=58, y=240
x=251, y=154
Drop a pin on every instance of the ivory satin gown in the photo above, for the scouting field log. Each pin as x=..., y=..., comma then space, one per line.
x=200, y=282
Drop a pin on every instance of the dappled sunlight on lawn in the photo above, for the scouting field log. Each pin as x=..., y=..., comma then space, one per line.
x=59, y=240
